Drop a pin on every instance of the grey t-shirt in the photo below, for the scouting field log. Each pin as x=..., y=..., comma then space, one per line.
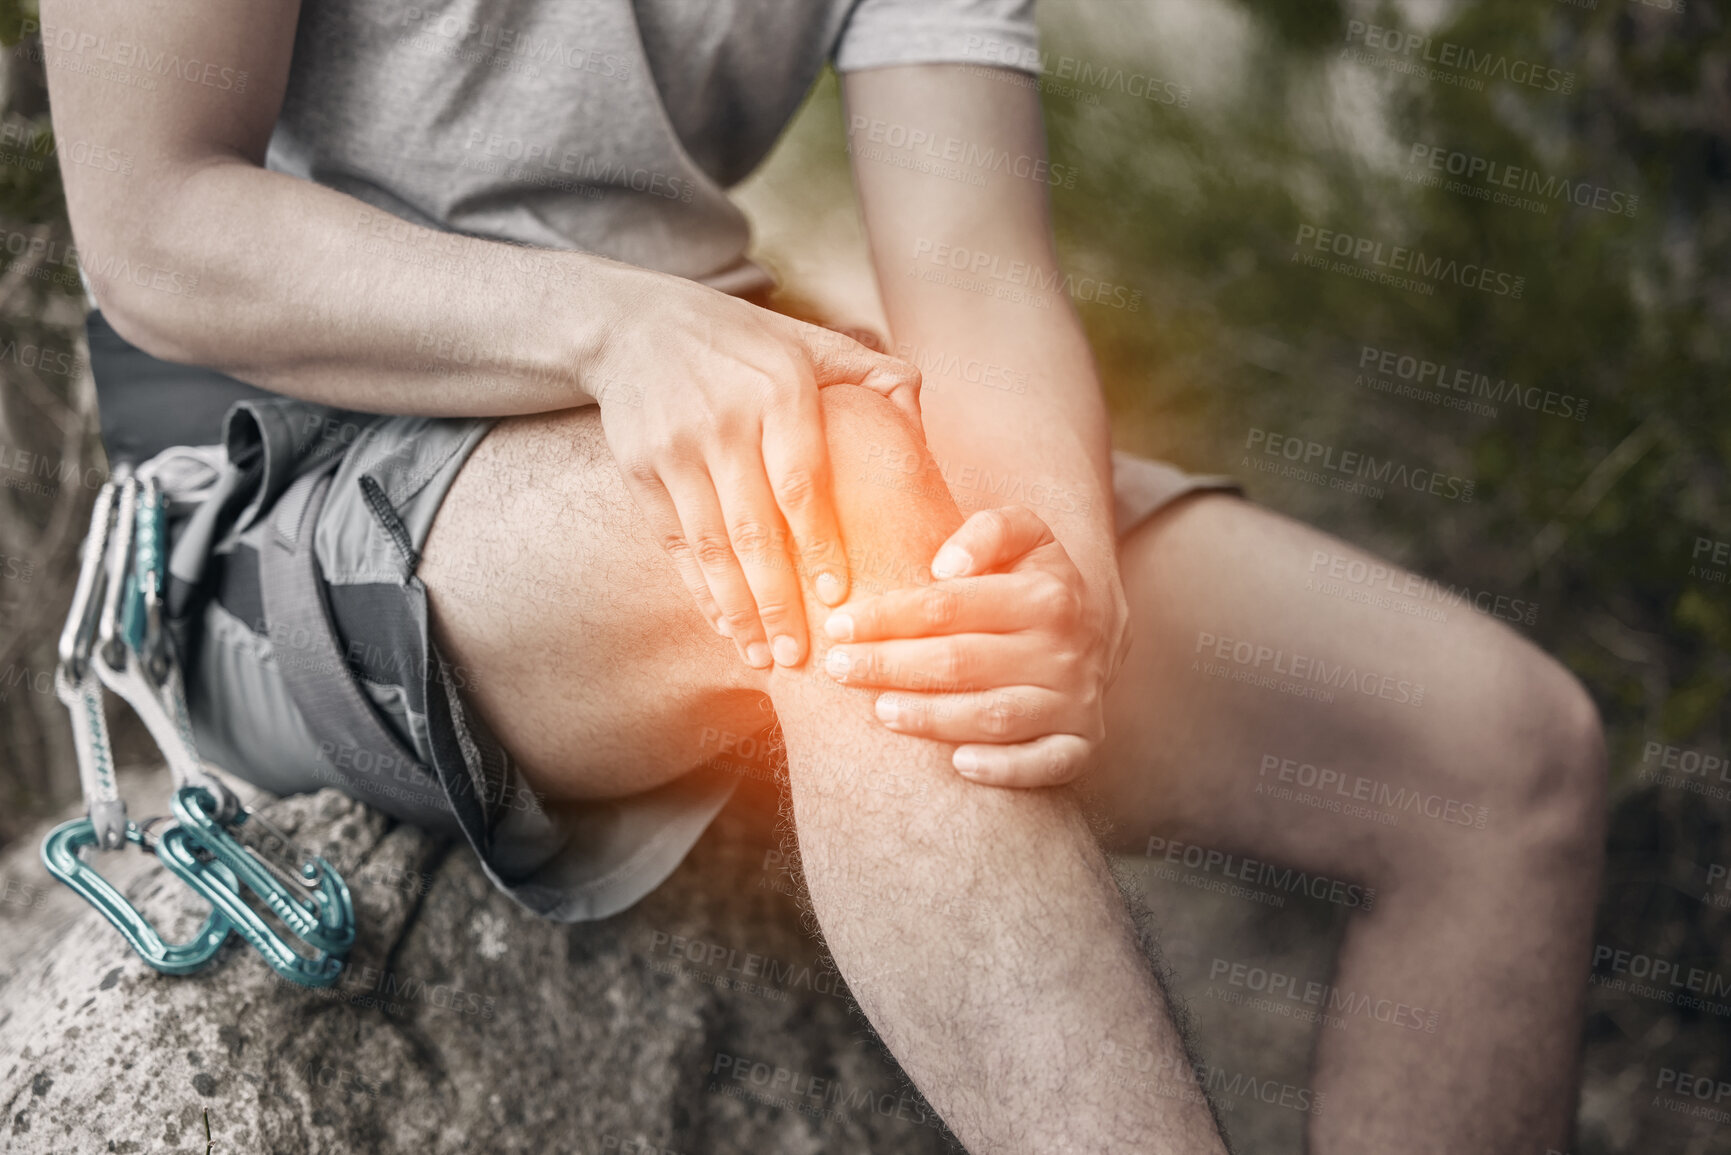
x=611, y=126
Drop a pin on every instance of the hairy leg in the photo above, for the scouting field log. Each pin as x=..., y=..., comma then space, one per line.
x=1486, y=754
x=591, y=664
x=979, y=928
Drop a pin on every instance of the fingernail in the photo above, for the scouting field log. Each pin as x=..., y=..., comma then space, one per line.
x=837, y=664
x=757, y=654
x=966, y=762
x=839, y=627
x=888, y=710
x=786, y=651
x=828, y=588
x=952, y=561
x=719, y=625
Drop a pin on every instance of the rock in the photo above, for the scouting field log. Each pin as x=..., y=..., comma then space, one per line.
x=462, y=1023
x=465, y=1024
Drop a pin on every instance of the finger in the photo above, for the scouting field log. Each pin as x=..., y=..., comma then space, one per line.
x=948, y=664
x=796, y=458
x=1005, y=714
x=658, y=511
x=986, y=605
x=1049, y=761
x=760, y=543
x=991, y=538
x=840, y=360
x=705, y=529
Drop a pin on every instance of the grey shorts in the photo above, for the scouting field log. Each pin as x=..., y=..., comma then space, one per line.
x=304, y=633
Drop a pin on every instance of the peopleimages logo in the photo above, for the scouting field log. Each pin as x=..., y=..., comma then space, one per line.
x=26, y=145
x=520, y=159
x=1260, y=873
x=1333, y=463
x=1358, y=788
x=1253, y=657
x=1336, y=1001
x=506, y=42
x=1496, y=176
x=1665, y=979
x=938, y=363
x=979, y=270
x=15, y=675
x=864, y=130
x=55, y=473
x=89, y=49
x=809, y=1093
x=1071, y=68
x=1383, y=586
x=1418, y=52
x=1449, y=380
x=1384, y=261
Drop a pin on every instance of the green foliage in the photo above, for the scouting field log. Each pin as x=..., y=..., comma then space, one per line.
x=13, y=13
x=1300, y=24
x=1199, y=206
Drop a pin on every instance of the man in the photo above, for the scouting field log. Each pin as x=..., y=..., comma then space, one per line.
x=695, y=510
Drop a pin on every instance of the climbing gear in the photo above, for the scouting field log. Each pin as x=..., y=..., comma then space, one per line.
x=115, y=636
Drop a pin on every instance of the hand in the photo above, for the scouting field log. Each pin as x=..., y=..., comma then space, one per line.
x=1006, y=652
x=710, y=406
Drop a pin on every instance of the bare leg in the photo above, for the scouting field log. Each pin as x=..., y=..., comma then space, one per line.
x=1490, y=928
x=979, y=928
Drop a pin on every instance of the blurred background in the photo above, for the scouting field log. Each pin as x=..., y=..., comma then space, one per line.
x=1204, y=136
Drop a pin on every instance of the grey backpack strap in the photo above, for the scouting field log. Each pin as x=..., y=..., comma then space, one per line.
x=354, y=742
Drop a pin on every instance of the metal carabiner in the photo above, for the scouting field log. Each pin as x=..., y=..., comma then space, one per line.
x=77, y=686
x=79, y=633
x=130, y=620
x=62, y=855
x=115, y=636
x=316, y=906
x=213, y=877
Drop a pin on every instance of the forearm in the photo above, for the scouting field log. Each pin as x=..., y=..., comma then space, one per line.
x=1012, y=406
x=1014, y=415
x=308, y=292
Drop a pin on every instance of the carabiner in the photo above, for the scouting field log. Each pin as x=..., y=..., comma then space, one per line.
x=79, y=633
x=319, y=909
x=116, y=636
x=77, y=686
x=61, y=855
x=130, y=603
x=179, y=849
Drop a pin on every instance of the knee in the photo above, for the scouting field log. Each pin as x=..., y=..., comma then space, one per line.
x=891, y=501
x=1518, y=766
x=1556, y=789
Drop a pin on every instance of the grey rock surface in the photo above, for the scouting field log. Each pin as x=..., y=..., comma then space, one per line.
x=466, y=1025
x=462, y=1023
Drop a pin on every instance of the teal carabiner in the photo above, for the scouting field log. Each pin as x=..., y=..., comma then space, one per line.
x=324, y=917
x=116, y=636
x=148, y=577
x=60, y=854
x=206, y=858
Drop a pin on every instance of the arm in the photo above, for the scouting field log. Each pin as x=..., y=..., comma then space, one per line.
x=299, y=289
x=708, y=403
x=1042, y=401
x=1030, y=427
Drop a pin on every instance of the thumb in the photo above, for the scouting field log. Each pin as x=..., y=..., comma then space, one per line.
x=837, y=359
